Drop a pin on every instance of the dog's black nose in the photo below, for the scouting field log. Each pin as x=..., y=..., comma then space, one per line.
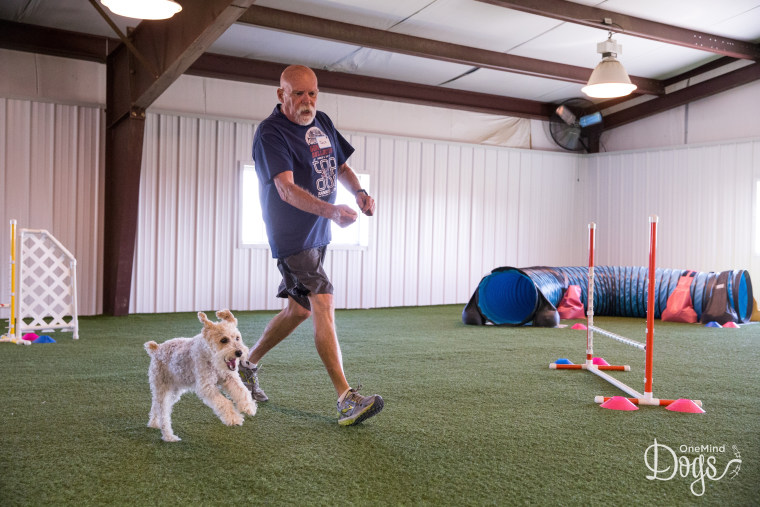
x=238, y=353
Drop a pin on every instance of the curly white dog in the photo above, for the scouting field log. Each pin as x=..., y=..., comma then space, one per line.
x=201, y=364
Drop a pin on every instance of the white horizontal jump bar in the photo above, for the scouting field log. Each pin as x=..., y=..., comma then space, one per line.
x=615, y=382
x=617, y=337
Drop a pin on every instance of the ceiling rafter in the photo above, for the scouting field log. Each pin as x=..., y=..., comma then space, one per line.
x=32, y=38
x=684, y=96
x=256, y=71
x=621, y=23
x=426, y=48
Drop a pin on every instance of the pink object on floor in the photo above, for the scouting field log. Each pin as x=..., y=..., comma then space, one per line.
x=731, y=324
x=30, y=337
x=619, y=403
x=684, y=405
x=571, y=307
x=600, y=361
x=579, y=326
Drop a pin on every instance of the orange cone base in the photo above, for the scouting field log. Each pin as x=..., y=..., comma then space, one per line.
x=619, y=403
x=684, y=405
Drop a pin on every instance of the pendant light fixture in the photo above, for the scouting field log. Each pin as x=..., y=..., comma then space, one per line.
x=609, y=78
x=143, y=9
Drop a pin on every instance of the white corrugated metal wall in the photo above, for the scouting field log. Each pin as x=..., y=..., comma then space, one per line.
x=705, y=197
x=51, y=172
x=447, y=212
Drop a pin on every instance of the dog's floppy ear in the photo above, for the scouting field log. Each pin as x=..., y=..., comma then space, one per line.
x=226, y=315
x=204, y=320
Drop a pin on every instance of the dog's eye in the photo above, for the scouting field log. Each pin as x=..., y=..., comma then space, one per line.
x=225, y=340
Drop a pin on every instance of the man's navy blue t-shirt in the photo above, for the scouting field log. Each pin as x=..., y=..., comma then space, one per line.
x=313, y=153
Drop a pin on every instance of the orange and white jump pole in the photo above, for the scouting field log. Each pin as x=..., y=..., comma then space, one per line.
x=647, y=398
x=12, y=284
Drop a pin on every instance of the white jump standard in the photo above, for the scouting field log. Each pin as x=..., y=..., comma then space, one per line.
x=43, y=291
x=635, y=397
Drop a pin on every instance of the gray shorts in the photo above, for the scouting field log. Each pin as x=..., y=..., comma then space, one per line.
x=303, y=274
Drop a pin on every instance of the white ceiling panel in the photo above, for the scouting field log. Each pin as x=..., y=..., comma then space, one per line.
x=475, y=24
x=511, y=85
x=281, y=47
x=691, y=14
x=373, y=14
x=398, y=67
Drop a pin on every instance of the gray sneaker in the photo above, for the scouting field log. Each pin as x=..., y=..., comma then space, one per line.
x=355, y=408
x=248, y=374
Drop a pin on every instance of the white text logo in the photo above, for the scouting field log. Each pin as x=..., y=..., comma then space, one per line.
x=664, y=464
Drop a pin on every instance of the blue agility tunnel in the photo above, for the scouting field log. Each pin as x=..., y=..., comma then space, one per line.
x=517, y=296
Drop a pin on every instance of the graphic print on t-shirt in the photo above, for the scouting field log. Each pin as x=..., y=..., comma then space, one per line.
x=322, y=160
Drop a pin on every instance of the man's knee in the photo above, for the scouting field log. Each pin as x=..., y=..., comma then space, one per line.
x=321, y=302
x=296, y=311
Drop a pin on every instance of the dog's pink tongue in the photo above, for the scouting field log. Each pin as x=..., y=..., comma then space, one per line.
x=231, y=364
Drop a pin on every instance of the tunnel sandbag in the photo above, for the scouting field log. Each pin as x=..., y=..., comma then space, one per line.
x=680, y=307
x=471, y=314
x=513, y=296
x=718, y=308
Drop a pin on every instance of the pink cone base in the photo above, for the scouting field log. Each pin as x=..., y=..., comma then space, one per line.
x=578, y=326
x=733, y=325
x=619, y=403
x=684, y=405
x=599, y=361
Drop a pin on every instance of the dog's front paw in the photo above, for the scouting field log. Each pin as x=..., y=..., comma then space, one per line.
x=233, y=420
x=248, y=408
x=170, y=438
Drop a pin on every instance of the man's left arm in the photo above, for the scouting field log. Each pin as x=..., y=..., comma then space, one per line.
x=348, y=178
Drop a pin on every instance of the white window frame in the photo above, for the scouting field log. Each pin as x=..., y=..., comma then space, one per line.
x=252, y=232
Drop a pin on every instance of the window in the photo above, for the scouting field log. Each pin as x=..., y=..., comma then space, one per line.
x=253, y=231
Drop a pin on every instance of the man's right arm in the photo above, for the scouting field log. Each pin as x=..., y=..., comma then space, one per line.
x=300, y=198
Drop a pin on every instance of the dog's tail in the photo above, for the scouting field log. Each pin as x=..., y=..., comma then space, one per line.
x=151, y=347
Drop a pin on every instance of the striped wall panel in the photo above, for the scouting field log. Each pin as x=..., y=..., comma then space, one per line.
x=705, y=197
x=51, y=177
x=447, y=213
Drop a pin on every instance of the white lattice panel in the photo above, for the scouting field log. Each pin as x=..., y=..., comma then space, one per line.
x=46, y=285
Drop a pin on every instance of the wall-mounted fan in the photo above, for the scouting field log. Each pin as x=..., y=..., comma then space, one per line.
x=572, y=124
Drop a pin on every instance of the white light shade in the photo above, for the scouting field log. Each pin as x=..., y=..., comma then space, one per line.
x=143, y=9
x=609, y=80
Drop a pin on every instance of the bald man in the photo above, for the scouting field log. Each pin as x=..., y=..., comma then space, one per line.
x=299, y=158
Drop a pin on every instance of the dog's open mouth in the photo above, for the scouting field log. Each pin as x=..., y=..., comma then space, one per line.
x=231, y=363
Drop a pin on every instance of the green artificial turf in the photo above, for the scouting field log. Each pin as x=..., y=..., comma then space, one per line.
x=473, y=416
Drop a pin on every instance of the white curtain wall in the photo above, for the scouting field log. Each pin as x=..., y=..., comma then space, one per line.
x=447, y=213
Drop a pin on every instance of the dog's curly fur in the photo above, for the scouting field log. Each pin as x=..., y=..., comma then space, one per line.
x=202, y=364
